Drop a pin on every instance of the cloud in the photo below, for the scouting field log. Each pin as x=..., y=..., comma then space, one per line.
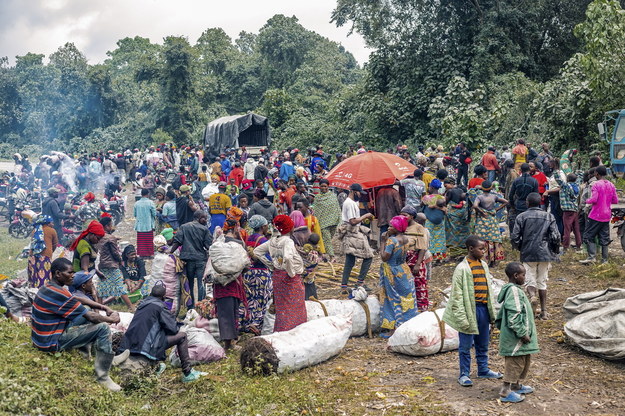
x=42, y=26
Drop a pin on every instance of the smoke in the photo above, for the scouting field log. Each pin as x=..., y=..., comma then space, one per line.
x=67, y=168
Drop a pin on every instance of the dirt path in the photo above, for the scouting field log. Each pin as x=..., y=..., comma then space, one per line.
x=567, y=381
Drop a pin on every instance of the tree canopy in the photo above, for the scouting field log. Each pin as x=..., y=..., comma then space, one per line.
x=442, y=71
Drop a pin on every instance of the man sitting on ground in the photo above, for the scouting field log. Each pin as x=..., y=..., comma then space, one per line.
x=58, y=322
x=153, y=330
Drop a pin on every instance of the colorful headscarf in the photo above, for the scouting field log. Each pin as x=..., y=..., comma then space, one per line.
x=89, y=196
x=257, y=221
x=298, y=218
x=283, y=223
x=37, y=242
x=234, y=214
x=431, y=200
x=168, y=233
x=94, y=227
x=399, y=222
x=160, y=241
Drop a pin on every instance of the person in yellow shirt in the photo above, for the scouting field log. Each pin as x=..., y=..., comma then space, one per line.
x=427, y=178
x=218, y=205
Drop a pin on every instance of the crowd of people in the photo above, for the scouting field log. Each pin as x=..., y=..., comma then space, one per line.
x=280, y=207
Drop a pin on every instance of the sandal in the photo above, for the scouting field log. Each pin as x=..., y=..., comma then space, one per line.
x=524, y=390
x=465, y=381
x=512, y=397
x=491, y=375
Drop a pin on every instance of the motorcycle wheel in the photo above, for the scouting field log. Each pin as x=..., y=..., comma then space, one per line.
x=18, y=231
x=117, y=217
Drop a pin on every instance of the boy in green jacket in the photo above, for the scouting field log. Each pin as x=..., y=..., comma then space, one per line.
x=517, y=338
x=470, y=311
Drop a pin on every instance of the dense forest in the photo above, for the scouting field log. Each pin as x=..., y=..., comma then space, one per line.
x=442, y=71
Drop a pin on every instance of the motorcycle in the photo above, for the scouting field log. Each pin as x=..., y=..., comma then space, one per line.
x=21, y=223
x=618, y=222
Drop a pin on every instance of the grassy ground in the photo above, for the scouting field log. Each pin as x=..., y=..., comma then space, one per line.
x=9, y=248
x=32, y=382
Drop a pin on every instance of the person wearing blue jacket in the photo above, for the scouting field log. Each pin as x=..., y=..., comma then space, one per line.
x=286, y=170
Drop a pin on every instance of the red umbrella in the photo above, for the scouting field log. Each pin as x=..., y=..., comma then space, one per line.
x=370, y=169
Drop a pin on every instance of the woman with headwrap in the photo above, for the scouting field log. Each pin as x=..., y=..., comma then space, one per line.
x=396, y=280
x=287, y=266
x=328, y=212
x=417, y=248
x=111, y=284
x=229, y=297
x=84, y=247
x=238, y=218
x=258, y=283
x=486, y=223
x=42, y=244
x=300, y=232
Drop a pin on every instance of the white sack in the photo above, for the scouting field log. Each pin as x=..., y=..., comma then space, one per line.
x=310, y=343
x=228, y=258
x=202, y=347
x=421, y=336
x=209, y=190
x=124, y=321
x=597, y=322
x=336, y=307
x=192, y=318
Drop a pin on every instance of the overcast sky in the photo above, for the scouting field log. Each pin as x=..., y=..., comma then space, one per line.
x=42, y=26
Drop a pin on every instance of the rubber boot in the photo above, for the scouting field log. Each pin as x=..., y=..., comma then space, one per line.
x=604, y=254
x=119, y=359
x=85, y=351
x=103, y=363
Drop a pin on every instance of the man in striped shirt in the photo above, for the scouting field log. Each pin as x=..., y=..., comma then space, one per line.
x=60, y=322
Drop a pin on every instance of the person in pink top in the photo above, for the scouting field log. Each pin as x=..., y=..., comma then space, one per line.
x=602, y=197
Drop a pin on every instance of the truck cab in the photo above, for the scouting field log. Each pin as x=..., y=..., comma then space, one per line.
x=616, y=139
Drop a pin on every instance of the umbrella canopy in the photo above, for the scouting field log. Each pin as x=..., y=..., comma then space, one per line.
x=370, y=169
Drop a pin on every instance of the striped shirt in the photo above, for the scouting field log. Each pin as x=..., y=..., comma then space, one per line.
x=480, y=284
x=53, y=308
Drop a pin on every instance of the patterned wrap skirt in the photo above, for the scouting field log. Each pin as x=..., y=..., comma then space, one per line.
x=438, y=241
x=258, y=291
x=38, y=270
x=288, y=296
x=113, y=284
x=456, y=226
x=420, y=281
x=487, y=228
x=145, y=244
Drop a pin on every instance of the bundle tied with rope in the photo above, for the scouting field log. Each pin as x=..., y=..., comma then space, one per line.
x=308, y=344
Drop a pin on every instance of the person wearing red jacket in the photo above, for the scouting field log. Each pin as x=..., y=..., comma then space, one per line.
x=489, y=161
x=237, y=174
x=540, y=178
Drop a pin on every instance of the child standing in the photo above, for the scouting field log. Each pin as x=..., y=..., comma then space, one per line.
x=517, y=339
x=310, y=254
x=470, y=311
x=569, y=196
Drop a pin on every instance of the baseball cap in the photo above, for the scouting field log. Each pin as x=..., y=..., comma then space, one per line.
x=185, y=188
x=356, y=187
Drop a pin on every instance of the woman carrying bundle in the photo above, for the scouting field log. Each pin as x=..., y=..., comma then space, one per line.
x=287, y=266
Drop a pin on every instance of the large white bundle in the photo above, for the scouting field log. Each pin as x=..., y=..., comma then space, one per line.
x=336, y=307
x=192, y=318
x=124, y=321
x=310, y=343
x=228, y=258
x=421, y=335
x=209, y=190
x=202, y=347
